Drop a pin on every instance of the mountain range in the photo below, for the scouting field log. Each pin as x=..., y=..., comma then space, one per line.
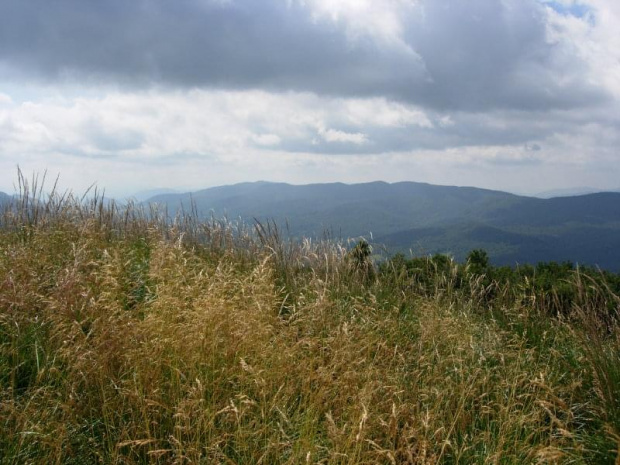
x=4, y=198
x=572, y=191
x=423, y=219
x=149, y=193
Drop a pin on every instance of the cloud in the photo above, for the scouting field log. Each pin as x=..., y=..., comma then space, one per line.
x=217, y=91
x=333, y=135
x=364, y=17
x=267, y=140
x=233, y=45
x=237, y=129
x=592, y=38
x=438, y=54
x=383, y=113
x=160, y=124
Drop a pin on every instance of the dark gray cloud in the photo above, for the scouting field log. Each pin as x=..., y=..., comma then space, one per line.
x=194, y=43
x=472, y=55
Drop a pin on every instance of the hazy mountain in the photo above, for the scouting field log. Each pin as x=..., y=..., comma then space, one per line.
x=427, y=219
x=4, y=198
x=147, y=194
x=571, y=192
x=352, y=210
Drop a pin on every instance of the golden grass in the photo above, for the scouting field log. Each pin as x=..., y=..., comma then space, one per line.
x=127, y=341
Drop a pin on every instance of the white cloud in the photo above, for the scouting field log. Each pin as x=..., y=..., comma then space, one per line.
x=188, y=140
x=594, y=38
x=158, y=126
x=445, y=121
x=384, y=113
x=378, y=19
x=333, y=135
x=267, y=139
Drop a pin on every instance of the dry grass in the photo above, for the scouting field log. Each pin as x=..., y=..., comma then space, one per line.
x=127, y=337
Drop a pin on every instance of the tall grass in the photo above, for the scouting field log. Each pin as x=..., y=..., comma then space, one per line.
x=127, y=336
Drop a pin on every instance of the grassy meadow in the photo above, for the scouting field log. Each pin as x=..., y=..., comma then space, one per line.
x=128, y=337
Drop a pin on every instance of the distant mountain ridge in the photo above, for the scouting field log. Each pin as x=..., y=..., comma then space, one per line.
x=571, y=192
x=4, y=198
x=426, y=218
x=149, y=193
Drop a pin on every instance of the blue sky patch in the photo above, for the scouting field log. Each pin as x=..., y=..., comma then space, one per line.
x=574, y=9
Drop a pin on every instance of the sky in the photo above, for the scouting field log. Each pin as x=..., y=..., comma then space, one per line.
x=514, y=95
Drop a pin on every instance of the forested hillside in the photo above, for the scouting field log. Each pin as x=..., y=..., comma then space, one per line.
x=426, y=219
x=4, y=198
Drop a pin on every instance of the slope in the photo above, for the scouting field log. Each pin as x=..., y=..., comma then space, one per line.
x=427, y=219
